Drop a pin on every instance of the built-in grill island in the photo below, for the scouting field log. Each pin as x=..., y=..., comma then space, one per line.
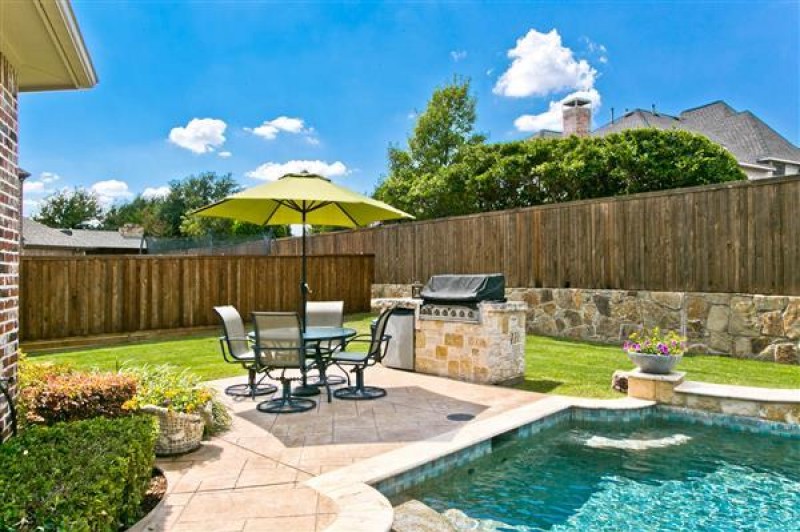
x=466, y=330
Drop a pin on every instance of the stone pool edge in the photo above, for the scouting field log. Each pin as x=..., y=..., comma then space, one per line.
x=363, y=507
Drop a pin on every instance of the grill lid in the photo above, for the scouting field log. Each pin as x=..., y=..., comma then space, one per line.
x=465, y=289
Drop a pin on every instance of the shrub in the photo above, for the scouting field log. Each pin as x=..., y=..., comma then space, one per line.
x=50, y=394
x=85, y=475
x=489, y=177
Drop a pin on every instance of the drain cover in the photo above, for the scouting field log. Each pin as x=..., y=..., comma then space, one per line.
x=460, y=417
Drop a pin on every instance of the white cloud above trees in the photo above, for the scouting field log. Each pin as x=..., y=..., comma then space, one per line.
x=542, y=65
x=110, y=191
x=200, y=135
x=271, y=171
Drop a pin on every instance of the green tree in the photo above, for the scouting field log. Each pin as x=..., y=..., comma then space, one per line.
x=417, y=181
x=69, y=209
x=141, y=211
x=193, y=192
x=169, y=216
x=540, y=171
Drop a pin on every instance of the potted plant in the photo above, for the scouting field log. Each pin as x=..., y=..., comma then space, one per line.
x=655, y=352
x=182, y=406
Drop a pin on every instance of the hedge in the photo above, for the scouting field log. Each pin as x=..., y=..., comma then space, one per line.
x=76, y=395
x=86, y=475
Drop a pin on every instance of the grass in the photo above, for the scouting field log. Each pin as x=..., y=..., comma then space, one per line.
x=200, y=354
x=553, y=365
x=582, y=369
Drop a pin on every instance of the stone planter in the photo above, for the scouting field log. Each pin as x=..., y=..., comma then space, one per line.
x=147, y=523
x=654, y=364
x=178, y=432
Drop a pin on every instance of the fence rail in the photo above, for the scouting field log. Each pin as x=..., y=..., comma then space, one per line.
x=81, y=296
x=735, y=237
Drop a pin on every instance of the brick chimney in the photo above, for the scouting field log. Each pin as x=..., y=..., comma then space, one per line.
x=131, y=231
x=577, y=117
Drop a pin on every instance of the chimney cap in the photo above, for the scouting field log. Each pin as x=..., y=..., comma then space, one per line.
x=577, y=101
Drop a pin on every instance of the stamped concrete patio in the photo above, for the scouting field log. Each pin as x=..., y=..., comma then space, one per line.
x=253, y=477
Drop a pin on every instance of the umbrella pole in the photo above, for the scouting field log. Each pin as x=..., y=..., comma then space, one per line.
x=303, y=283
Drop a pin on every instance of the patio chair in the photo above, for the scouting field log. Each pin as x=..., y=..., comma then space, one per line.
x=327, y=314
x=359, y=361
x=236, y=350
x=279, y=347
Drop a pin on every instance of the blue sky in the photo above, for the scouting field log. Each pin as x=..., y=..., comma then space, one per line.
x=334, y=84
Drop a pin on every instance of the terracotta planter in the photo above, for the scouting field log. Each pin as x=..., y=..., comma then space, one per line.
x=654, y=364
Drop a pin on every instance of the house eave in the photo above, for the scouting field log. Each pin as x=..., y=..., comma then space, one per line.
x=757, y=166
x=778, y=160
x=41, y=38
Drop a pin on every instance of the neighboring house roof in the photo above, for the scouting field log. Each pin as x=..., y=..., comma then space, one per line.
x=35, y=234
x=742, y=133
x=42, y=40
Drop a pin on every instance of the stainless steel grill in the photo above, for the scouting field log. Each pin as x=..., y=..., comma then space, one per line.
x=456, y=297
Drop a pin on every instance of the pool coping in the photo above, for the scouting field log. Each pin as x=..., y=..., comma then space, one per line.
x=741, y=393
x=363, y=507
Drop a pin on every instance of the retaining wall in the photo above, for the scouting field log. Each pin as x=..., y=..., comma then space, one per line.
x=742, y=325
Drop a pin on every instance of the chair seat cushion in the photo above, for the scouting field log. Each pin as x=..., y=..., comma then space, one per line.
x=348, y=356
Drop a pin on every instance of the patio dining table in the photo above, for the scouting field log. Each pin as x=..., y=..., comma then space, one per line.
x=316, y=336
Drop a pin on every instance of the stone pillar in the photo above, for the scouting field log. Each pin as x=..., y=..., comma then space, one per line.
x=10, y=215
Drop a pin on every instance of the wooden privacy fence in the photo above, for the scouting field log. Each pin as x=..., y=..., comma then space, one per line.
x=80, y=296
x=737, y=237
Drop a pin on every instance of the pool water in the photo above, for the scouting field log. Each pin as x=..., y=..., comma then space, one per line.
x=643, y=475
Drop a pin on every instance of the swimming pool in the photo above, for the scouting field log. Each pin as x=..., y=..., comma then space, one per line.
x=654, y=473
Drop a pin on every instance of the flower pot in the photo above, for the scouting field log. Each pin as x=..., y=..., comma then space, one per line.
x=654, y=364
x=178, y=432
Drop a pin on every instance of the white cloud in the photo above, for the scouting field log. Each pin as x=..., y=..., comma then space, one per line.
x=272, y=171
x=33, y=187
x=541, y=65
x=110, y=191
x=596, y=49
x=270, y=128
x=201, y=135
x=41, y=185
x=224, y=154
x=155, y=192
x=552, y=118
x=458, y=55
x=48, y=177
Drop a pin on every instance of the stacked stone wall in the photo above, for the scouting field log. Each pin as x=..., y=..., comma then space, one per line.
x=10, y=206
x=743, y=325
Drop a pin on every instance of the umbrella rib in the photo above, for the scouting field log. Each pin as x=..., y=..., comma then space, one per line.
x=339, y=206
x=318, y=206
x=278, y=205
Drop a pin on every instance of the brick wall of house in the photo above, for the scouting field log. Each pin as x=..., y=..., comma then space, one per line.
x=10, y=214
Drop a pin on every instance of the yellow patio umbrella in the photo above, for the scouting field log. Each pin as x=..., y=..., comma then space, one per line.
x=302, y=198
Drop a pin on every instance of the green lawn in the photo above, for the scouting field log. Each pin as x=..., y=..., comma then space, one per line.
x=201, y=354
x=582, y=369
x=553, y=365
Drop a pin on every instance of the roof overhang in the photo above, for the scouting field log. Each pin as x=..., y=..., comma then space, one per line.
x=777, y=160
x=42, y=40
x=756, y=166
